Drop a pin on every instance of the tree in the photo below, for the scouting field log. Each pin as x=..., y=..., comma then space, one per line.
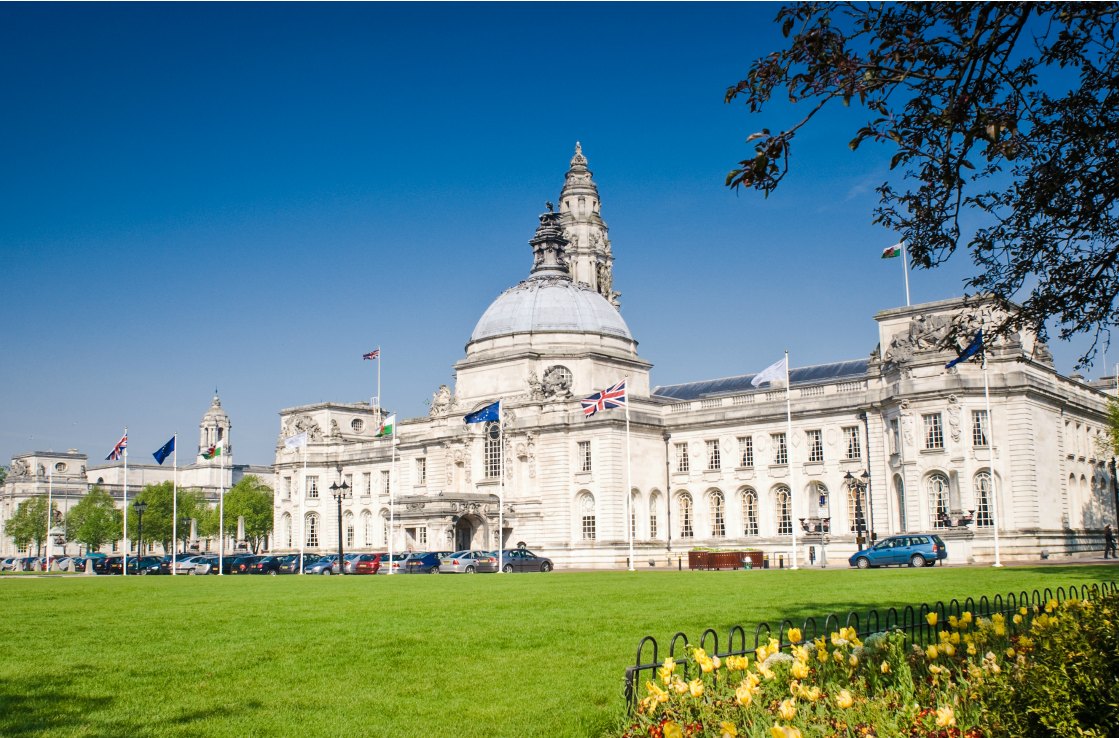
x=160, y=513
x=94, y=521
x=3, y=474
x=1000, y=114
x=29, y=523
x=252, y=499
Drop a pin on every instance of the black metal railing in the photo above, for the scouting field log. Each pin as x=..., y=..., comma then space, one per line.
x=910, y=620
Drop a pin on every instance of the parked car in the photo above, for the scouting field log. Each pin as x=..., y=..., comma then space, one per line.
x=365, y=564
x=395, y=566
x=904, y=550
x=521, y=559
x=469, y=562
x=238, y=564
x=207, y=564
x=136, y=565
x=291, y=564
x=185, y=564
x=421, y=563
x=265, y=565
x=321, y=565
x=350, y=558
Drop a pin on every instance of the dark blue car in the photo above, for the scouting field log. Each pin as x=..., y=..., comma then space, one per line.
x=912, y=549
x=422, y=563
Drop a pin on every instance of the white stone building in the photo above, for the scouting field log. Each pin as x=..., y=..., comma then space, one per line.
x=67, y=478
x=710, y=462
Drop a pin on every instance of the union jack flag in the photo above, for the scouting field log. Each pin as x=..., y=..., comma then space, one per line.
x=118, y=450
x=374, y=354
x=608, y=398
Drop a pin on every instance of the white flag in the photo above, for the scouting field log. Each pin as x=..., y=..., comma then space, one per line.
x=772, y=373
x=296, y=441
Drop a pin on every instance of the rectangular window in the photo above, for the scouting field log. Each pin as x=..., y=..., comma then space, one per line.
x=421, y=471
x=682, y=464
x=386, y=482
x=584, y=456
x=780, y=450
x=979, y=435
x=934, y=431
x=491, y=458
x=348, y=480
x=854, y=445
x=815, y=446
x=746, y=451
x=588, y=528
x=367, y=483
x=349, y=531
x=287, y=488
x=312, y=488
x=421, y=537
x=714, y=460
x=653, y=524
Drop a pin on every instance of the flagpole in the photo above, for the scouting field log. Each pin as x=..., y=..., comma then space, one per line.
x=905, y=270
x=991, y=441
x=629, y=490
x=124, y=559
x=392, y=498
x=174, y=502
x=501, y=492
x=50, y=496
x=379, y=389
x=789, y=458
x=302, y=511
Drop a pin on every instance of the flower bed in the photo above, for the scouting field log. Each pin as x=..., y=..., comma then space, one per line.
x=1050, y=670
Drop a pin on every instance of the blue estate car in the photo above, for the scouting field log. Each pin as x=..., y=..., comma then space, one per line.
x=919, y=549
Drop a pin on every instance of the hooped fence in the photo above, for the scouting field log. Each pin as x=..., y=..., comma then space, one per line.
x=911, y=620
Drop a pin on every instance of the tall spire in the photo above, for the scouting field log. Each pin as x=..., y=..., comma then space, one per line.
x=590, y=259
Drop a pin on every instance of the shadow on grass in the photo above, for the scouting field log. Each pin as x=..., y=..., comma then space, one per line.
x=36, y=706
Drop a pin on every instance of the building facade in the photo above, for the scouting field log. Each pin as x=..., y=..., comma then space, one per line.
x=885, y=444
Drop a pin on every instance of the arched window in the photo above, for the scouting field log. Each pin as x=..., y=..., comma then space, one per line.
x=367, y=528
x=634, y=501
x=718, y=508
x=684, y=501
x=584, y=504
x=348, y=526
x=983, y=490
x=856, y=509
x=938, y=499
x=899, y=491
x=386, y=532
x=492, y=451
x=312, y=521
x=783, y=507
x=749, y=512
x=654, y=506
x=285, y=529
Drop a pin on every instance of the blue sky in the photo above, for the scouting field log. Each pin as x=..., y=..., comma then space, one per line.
x=249, y=197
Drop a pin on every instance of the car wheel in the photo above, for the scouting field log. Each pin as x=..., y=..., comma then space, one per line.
x=508, y=569
x=433, y=570
x=273, y=572
x=470, y=570
x=546, y=566
x=327, y=571
x=918, y=561
x=143, y=572
x=862, y=562
x=193, y=572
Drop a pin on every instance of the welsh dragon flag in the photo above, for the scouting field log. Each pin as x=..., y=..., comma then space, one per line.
x=214, y=450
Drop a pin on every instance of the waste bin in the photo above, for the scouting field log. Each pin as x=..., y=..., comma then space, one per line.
x=765, y=562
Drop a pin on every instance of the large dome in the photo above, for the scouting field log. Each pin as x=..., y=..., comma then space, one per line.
x=550, y=304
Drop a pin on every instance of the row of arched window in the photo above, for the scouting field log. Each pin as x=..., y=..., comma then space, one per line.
x=364, y=533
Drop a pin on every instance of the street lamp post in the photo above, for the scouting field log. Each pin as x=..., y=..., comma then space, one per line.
x=140, y=506
x=859, y=485
x=340, y=492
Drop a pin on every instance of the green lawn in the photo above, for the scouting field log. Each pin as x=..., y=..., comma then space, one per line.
x=416, y=656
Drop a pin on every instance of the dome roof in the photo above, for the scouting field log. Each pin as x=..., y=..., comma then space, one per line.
x=215, y=412
x=550, y=304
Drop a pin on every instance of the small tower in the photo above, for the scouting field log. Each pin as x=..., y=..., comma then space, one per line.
x=214, y=427
x=588, y=251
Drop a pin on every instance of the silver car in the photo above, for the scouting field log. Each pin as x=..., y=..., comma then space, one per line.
x=469, y=562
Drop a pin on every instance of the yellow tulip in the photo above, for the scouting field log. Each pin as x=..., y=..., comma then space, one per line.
x=695, y=686
x=782, y=731
x=931, y=618
x=799, y=669
x=673, y=730
x=788, y=709
x=853, y=661
x=945, y=717
x=1010, y=653
x=729, y=730
x=931, y=652
x=885, y=667
x=794, y=635
x=811, y=693
x=744, y=695
x=949, y=649
x=844, y=699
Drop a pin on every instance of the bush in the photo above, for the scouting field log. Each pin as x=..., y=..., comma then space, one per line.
x=1048, y=671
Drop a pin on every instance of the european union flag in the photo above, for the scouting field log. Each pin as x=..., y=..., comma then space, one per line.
x=972, y=349
x=486, y=414
x=165, y=451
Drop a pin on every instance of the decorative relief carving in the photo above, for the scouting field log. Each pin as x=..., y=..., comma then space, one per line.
x=905, y=415
x=954, y=418
x=335, y=431
x=300, y=423
x=1042, y=354
x=18, y=468
x=442, y=402
x=556, y=382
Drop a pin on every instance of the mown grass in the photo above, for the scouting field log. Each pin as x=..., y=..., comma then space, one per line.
x=409, y=656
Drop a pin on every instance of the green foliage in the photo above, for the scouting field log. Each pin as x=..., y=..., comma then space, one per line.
x=160, y=513
x=3, y=473
x=94, y=521
x=29, y=522
x=252, y=499
x=502, y=656
x=1112, y=427
x=1001, y=120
